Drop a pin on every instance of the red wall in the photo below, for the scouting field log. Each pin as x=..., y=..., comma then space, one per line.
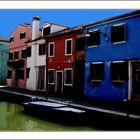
x=60, y=61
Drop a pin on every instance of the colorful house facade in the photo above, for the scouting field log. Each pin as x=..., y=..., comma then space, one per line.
x=36, y=60
x=17, y=56
x=112, y=68
x=65, y=62
x=4, y=53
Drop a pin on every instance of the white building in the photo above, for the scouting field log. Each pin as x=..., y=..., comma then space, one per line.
x=36, y=54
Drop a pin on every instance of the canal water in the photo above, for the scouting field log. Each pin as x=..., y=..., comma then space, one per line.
x=13, y=119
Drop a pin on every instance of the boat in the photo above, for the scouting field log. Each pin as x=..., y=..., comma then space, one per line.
x=54, y=110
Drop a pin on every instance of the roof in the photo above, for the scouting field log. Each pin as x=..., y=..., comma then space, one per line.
x=24, y=25
x=4, y=40
x=65, y=31
x=53, y=24
x=134, y=13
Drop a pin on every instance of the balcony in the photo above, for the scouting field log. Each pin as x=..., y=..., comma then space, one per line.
x=16, y=63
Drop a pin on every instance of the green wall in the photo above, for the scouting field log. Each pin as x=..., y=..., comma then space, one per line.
x=4, y=56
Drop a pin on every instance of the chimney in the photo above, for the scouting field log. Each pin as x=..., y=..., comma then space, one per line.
x=35, y=27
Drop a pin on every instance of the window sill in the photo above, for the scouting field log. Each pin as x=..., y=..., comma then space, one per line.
x=51, y=56
x=94, y=46
x=118, y=81
x=96, y=81
x=68, y=54
x=120, y=42
x=41, y=54
x=50, y=83
x=67, y=84
x=16, y=59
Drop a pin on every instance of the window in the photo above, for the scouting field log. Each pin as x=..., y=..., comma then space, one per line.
x=46, y=31
x=23, y=53
x=22, y=35
x=68, y=47
x=12, y=39
x=80, y=44
x=51, y=76
x=51, y=50
x=97, y=72
x=20, y=74
x=119, y=71
x=68, y=76
x=10, y=56
x=118, y=33
x=16, y=54
x=94, y=38
x=28, y=53
x=9, y=75
x=41, y=49
x=27, y=72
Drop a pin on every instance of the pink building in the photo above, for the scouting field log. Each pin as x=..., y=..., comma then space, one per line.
x=17, y=56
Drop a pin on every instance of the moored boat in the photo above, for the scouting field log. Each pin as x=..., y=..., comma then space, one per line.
x=54, y=110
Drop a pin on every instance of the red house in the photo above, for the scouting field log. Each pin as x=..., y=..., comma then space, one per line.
x=17, y=56
x=65, y=62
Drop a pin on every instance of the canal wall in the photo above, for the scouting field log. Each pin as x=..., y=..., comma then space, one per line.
x=13, y=97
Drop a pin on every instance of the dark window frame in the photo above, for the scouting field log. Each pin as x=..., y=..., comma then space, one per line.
x=49, y=51
x=9, y=74
x=16, y=55
x=118, y=35
x=97, y=72
x=66, y=81
x=11, y=56
x=119, y=71
x=51, y=78
x=27, y=72
x=23, y=53
x=42, y=49
x=29, y=51
x=94, y=39
x=46, y=31
x=80, y=43
x=12, y=39
x=22, y=35
x=20, y=74
x=67, y=45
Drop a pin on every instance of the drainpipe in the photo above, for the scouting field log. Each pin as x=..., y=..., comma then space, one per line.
x=130, y=79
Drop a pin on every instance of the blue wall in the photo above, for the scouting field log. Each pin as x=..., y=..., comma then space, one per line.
x=107, y=52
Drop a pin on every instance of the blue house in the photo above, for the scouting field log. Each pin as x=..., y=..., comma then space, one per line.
x=112, y=63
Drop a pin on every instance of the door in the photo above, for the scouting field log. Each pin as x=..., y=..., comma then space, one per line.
x=136, y=81
x=14, y=78
x=59, y=82
x=41, y=78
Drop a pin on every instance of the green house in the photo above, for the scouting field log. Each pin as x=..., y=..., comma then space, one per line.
x=4, y=56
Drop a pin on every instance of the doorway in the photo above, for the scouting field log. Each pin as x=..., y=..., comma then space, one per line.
x=59, y=82
x=41, y=78
x=136, y=80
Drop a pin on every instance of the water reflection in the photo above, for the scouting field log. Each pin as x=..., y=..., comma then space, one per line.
x=12, y=119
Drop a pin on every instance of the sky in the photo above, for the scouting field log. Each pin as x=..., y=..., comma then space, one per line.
x=10, y=19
